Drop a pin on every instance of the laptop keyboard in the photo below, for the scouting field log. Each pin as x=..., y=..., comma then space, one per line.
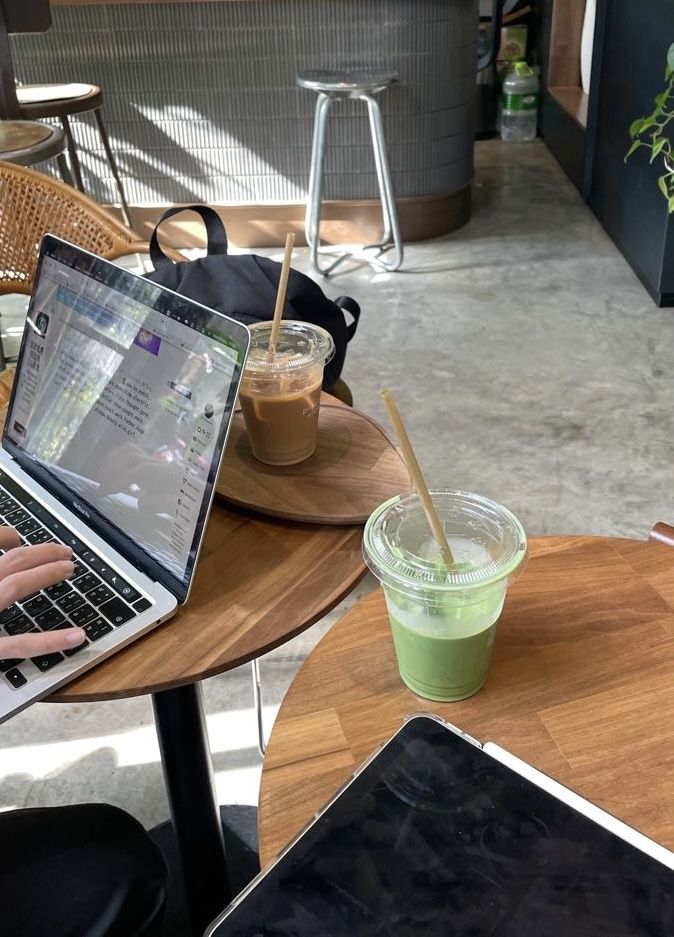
x=95, y=598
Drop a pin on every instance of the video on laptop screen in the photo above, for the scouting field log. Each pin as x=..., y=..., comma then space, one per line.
x=125, y=404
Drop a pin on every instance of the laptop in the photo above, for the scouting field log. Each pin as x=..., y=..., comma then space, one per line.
x=116, y=427
x=438, y=835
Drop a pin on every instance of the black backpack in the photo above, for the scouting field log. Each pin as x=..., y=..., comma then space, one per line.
x=244, y=287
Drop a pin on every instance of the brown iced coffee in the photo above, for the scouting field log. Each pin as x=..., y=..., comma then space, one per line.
x=280, y=393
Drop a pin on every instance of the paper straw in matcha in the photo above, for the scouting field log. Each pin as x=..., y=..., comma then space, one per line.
x=417, y=477
x=281, y=294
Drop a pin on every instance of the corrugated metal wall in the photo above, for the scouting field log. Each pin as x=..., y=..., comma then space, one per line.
x=201, y=102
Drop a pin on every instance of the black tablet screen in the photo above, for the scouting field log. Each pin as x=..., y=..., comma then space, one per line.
x=436, y=838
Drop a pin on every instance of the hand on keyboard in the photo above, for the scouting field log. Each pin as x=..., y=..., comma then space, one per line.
x=23, y=571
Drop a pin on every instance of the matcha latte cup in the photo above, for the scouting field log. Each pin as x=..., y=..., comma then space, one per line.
x=443, y=620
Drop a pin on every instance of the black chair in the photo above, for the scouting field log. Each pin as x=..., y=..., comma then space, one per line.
x=24, y=142
x=60, y=101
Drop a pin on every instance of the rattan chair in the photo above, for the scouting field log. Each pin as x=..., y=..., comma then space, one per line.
x=33, y=204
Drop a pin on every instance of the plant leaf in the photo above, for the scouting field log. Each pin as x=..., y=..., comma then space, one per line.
x=670, y=205
x=662, y=185
x=657, y=148
x=635, y=127
x=670, y=57
x=635, y=146
x=647, y=123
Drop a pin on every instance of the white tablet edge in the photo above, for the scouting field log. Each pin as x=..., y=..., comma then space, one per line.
x=588, y=809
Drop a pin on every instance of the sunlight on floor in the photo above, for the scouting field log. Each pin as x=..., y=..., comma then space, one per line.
x=232, y=731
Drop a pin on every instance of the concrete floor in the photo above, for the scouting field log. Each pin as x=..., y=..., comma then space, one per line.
x=531, y=366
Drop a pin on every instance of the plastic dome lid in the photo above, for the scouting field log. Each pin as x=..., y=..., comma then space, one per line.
x=300, y=345
x=487, y=540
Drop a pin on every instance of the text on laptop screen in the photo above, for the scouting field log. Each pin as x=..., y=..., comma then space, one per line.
x=124, y=404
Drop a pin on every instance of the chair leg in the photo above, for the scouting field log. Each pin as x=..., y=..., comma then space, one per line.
x=257, y=697
x=312, y=218
x=72, y=154
x=64, y=169
x=389, y=208
x=113, y=165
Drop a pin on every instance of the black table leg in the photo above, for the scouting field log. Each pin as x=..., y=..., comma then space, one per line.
x=188, y=770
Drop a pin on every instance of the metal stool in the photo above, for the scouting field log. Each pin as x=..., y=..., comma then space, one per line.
x=32, y=102
x=362, y=84
x=61, y=102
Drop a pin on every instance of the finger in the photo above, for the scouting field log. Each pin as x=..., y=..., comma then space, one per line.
x=31, y=557
x=30, y=645
x=18, y=585
x=9, y=538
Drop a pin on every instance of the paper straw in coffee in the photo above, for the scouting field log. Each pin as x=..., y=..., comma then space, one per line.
x=281, y=294
x=417, y=477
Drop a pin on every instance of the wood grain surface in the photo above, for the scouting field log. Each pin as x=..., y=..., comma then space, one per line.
x=565, y=35
x=21, y=134
x=581, y=685
x=258, y=583
x=346, y=221
x=354, y=468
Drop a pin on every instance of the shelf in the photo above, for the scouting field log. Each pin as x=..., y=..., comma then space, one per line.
x=574, y=101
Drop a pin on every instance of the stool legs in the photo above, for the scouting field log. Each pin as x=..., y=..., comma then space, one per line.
x=64, y=169
x=257, y=699
x=76, y=167
x=312, y=218
x=388, y=204
x=73, y=158
x=113, y=165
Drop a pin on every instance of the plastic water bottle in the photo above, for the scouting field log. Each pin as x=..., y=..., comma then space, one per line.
x=519, y=104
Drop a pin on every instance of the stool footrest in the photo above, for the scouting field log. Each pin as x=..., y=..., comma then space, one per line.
x=356, y=254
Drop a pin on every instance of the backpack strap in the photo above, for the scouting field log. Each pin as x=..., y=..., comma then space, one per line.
x=215, y=231
x=351, y=306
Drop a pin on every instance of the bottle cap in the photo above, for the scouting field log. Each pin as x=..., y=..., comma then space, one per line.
x=523, y=69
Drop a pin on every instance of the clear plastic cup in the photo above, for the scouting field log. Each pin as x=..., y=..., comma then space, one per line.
x=281, y=394
x=444, y=621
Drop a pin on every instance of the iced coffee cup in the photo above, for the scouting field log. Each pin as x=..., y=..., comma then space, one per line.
x=281, y=393
x=443, y=620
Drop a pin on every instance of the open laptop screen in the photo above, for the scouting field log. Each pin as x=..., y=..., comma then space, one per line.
x=122, y=399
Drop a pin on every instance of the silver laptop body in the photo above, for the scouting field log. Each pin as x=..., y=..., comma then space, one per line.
x=119, y=416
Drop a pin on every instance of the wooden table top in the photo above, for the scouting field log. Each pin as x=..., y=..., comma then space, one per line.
x=354, y=468
x=259, y=582
x=581, y=685
x=21, y=134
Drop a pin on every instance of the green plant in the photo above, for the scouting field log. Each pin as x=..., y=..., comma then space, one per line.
x=651, y=132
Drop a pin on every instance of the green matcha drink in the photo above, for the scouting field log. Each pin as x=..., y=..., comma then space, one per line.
x=443, y=620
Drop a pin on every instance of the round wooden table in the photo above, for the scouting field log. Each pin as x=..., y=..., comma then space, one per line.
x=258, y=583
x=581, y=685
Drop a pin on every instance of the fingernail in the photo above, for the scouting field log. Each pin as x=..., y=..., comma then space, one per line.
x=74, y=637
